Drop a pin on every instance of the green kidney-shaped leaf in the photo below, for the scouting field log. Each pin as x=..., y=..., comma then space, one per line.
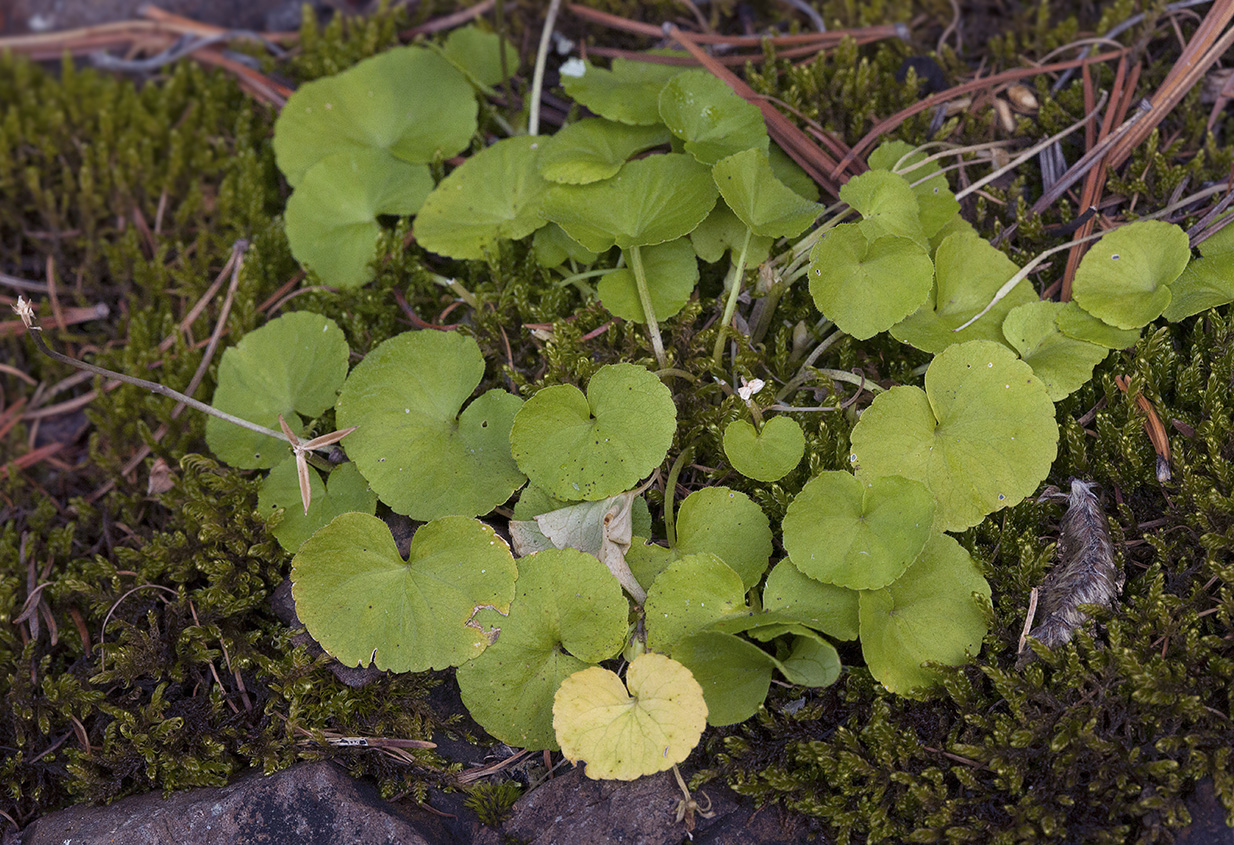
x=824, y=607
x=590, y=447
x=687, y=596
x=345, y=491
x=422, y=457
x=292, y=365
x=768, y=455
x=968, y=271
x=1124, y=279
x=710, y=117
x=652, y=200
x=929, y=615
x=1208, y=281
x=981, y=435
x=671, y=272
x=887, y=205
x=729, y=525
x=623, y=736
x=495, y=195
x=857, y=534
x=1078, y=324
x=733, y=673
x=594, y=148
x=331, y=217
x=628, y=93
x=568, y=613
x=363, y=603
x=409, y=102
x=765, y=204
x=936, y=203
x=1062, y=363
x=867, y=286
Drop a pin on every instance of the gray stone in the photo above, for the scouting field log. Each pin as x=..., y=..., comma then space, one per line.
x=308, y=804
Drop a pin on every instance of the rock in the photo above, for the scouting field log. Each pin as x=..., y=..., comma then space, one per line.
x=1208, y=818
x=573, y=808
x=308, y=804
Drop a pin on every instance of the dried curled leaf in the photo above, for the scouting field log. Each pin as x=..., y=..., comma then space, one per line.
x=1086, y=572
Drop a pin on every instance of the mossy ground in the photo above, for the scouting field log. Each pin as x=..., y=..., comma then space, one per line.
x=167, y=668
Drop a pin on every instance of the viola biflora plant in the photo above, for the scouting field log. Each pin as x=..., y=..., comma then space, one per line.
x=672, y=170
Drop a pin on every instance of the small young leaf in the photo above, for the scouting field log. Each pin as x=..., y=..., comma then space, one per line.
x=765, y=205
x=811, y=662
x=346, y=491
x=625, y=736
x=478, y=55
x=409, y=102
x=567, y=613
x=1124, y=279
x=422, y=457
x=857, y=533
x=363, y=603
x=887, y=206
x=967, y=274
x=1062, y=363
x=590, y=447
x=629, y=93
x=672, y=271
x=552, y=246
x=981, y=435
x=293, y=364
x=710, y=117
x=866, y=286
x=497, y=194
x=768, y=455
x=928, y=615
x=593, y=149
x=936, y=203
x=332, y=215
x=652, y=200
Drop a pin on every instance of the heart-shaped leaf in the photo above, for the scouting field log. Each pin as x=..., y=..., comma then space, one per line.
x=293, y=364
x=421, y=456
x=346, y=491
x=497, y=194
x=937, y=205
x=593, y=149
x=687, y=596
x=860, y=535
x=729, y=525
x=866, y=286
x=671, y=270
x=628, y=93
x=967, y=274
x=652, y=200
x=331, y=217
x=623, y=736
x=1124, y=279
x=567, y=613
x=710, y=117
x=928, y=615
x=364, y=604
x=478, y=54
x=409, y=102
x=981, y=435
x=824, y=607
x=1062, y=363
x=765, y=205
x=590, y=447
x=1208, y=281
x=887, y=205
x=768, y=455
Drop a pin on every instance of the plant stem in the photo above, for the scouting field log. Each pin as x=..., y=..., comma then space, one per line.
x=730, y=306
x=644, y=298
x=462, y=292
x=537, y=76
x=152, y=386
x=670, y=490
